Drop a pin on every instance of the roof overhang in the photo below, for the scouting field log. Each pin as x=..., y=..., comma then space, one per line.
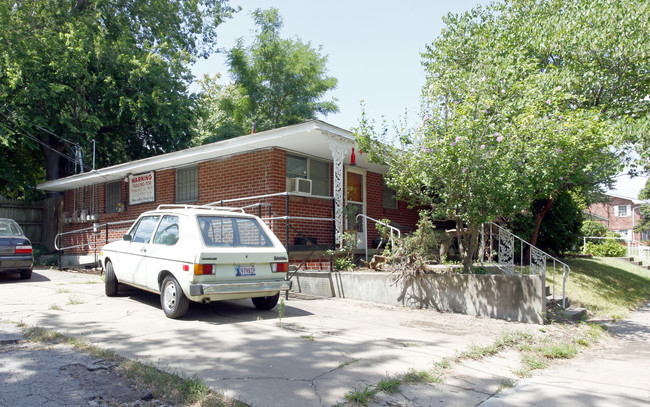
x=312, y=138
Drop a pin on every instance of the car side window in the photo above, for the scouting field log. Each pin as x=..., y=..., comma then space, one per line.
x=144, y=229
x=167, y=232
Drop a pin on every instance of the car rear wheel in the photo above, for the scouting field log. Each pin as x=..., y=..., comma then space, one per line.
x=266, y=303
x=110, y=281
x=25, y=274
x=172, y=299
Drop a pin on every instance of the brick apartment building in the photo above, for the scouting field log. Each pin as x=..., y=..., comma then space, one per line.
x=621, y=215
x=304, y=180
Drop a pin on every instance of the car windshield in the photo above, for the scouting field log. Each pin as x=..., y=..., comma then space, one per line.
x=224, y=231
x=9, y=228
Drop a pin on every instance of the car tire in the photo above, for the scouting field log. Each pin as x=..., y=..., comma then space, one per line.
x=110, y=281
x=266, y=303
x=172, y=299
x=25, y=274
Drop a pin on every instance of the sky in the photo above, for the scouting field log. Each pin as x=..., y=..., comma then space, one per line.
x=373, y=49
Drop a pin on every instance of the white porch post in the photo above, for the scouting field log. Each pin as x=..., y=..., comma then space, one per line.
x=339, y=150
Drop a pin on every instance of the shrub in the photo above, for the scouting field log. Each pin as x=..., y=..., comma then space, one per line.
x=608, y=248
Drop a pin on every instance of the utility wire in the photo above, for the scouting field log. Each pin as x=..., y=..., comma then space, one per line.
x=33, y=138
x=36, y=125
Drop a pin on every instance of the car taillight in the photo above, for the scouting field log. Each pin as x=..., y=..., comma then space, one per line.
x=200, y=269
x=24, y=250
x=279, y=267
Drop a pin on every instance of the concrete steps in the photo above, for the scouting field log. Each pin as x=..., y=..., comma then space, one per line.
x=635, y=262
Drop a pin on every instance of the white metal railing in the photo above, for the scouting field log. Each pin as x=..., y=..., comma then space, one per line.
x=506, y=256
x=97, y=231
x=365, y=230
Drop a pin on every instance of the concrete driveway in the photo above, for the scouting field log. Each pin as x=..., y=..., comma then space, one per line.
x=322, y=348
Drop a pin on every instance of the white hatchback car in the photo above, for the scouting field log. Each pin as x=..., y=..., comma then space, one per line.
x=198, y=253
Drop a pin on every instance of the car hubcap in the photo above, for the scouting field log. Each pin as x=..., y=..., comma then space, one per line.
x=170, y=295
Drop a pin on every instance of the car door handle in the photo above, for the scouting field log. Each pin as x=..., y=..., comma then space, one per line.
x=143, y=249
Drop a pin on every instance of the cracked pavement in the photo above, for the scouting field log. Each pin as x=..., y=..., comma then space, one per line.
x=320, y=350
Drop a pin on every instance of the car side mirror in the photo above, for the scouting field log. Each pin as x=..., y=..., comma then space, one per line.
x=127, y=238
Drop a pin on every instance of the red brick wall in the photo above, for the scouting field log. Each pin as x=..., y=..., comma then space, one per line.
x=616, y=223
x=402, y=218
x=254, y=173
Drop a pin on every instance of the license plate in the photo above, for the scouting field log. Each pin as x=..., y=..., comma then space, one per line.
x=248, y=270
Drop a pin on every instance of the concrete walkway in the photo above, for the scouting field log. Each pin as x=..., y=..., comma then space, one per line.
x=616, y=374
x=324, y=348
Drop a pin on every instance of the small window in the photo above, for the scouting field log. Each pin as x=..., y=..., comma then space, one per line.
x=113, y=196
x=167, y=232
x=390, y=197
x=319, y=173
x=622, y=211
x=625, y=233
x=307, y=168
x=187, y=185
x=142, y=231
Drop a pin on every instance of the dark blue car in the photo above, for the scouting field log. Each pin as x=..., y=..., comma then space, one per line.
x=16, y=253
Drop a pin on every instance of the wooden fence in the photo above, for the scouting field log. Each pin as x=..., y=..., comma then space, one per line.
x=40, y=220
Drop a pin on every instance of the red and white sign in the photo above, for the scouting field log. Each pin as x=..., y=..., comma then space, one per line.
x=142, y=188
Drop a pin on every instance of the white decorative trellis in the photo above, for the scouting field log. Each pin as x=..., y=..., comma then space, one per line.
x=339, y=149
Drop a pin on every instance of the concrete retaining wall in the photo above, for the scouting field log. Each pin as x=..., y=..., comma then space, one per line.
x=513, y=298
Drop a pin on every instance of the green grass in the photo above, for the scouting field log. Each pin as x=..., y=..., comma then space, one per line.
x=607, y=287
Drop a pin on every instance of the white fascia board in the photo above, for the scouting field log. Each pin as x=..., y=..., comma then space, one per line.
x=272, y=138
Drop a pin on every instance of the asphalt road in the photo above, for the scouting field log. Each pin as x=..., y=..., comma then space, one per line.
x=319, y=351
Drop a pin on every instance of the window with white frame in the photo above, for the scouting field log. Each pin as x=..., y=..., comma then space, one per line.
x=625, y=233
x=389, y=197
x=622, y=211
x=113, y=196
x=645, y=235
x=187, y=184
x=308, y=168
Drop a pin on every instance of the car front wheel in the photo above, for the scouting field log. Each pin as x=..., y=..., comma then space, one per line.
x=266, y=303
x=110, y=281
x=172, y=299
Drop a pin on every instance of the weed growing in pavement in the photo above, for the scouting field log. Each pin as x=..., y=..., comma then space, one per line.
x=347, y=362
x=74, y=300
x=413, y=376
x=559, y=351
x=361, y=395
x=55, y=307
x=389, y=385
x=281, y=309
x=62, y=291
x=308, y=338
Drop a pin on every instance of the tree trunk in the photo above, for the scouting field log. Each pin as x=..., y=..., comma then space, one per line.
x=538, y=220
x=52, y=168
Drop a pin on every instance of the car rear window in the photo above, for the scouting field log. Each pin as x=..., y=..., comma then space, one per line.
x=224, y=231
x=9, y=228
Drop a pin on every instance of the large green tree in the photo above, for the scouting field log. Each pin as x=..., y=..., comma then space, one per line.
x=275, y=82
x=117, y=72
x=499, y=131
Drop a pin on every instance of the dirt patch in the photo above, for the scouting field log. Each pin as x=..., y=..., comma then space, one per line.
x=50, y=373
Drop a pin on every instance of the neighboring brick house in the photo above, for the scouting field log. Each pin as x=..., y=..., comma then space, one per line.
x=621, y=215
x=313, y=161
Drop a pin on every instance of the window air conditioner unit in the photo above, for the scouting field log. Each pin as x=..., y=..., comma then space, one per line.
x=301, y=185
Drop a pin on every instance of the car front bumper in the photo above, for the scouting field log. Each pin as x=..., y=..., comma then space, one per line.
x=240, y=288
